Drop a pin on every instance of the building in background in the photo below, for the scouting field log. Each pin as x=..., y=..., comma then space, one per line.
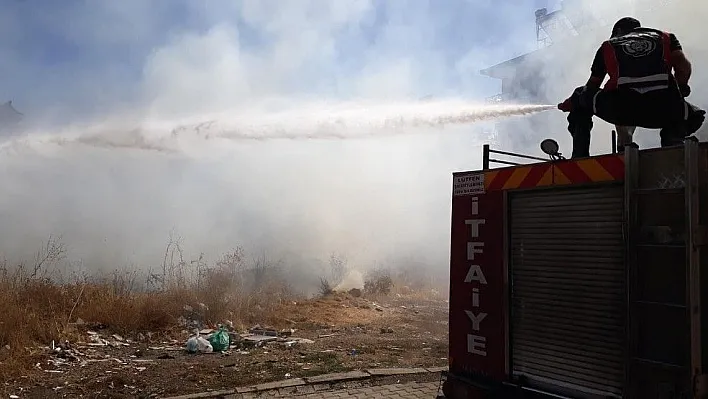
x=10, y=118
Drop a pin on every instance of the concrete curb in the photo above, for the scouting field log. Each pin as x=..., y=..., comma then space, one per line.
x=305, y=385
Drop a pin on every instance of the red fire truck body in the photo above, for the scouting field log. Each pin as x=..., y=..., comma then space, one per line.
x=580, y=278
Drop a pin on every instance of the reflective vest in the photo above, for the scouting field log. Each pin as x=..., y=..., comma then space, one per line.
x=639, y=60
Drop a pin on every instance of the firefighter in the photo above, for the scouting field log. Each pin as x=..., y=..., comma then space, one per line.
x=642, y=89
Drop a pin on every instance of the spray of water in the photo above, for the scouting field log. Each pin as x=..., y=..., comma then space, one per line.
x=304, y=122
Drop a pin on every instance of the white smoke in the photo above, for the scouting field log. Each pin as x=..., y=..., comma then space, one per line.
x=352, y=280
x=202, y=84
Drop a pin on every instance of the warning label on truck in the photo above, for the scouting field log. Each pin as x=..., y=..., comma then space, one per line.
x=468, y=184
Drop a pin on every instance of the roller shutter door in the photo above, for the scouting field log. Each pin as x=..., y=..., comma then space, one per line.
x=568, y=289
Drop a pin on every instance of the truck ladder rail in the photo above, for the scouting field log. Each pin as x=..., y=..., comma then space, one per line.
x=653, y=260
x=486, y=160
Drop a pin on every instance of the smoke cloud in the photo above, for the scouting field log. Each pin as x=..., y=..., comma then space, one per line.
x=125, y=78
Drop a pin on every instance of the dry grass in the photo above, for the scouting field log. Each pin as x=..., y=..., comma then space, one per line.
x=419, y=283
x=36, y=310
x=335, y=309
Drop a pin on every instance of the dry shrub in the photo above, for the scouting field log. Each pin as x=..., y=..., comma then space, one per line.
x=338, y=269
x=138, y=312
x=31, y=313
x=36, y=310
x=325, y=287
x=378, y=282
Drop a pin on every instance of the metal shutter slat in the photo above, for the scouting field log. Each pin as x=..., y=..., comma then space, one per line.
x=555, y=266
x=587, y=273
x=542, y=346
x=555, y=337
x=565, y=248
x=568, y=287
x=585, y=330
x=576, y=370
x=546, y=309
x=568, y=283
x=587, y=306
x=567, y=377
x=568, y=291
x=601, y=260
x=569, y=227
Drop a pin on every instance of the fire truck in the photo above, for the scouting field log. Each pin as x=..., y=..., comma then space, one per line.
x=580, y=278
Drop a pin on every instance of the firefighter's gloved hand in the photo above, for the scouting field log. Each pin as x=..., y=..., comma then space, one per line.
x=685, y=90
x=580, y=100
x=565, y=106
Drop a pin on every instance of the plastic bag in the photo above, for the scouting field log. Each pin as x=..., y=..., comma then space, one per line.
x=220, y=340
x=198, y=344
x=192, y=345
x=204, y=346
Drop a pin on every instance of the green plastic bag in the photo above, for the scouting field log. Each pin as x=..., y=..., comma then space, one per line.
x=220, y=340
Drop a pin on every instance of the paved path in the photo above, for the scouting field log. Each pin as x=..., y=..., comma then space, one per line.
x=416, y=383
x=412, y=390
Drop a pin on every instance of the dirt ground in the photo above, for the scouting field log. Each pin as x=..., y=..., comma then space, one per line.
x=347, y=333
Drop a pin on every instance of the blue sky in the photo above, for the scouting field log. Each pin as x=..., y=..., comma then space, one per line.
x=79, y=58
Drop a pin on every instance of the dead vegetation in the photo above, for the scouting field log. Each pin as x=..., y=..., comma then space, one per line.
x=165, y=305
x=378, y=282
x=325, y=287
x=37, y=310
